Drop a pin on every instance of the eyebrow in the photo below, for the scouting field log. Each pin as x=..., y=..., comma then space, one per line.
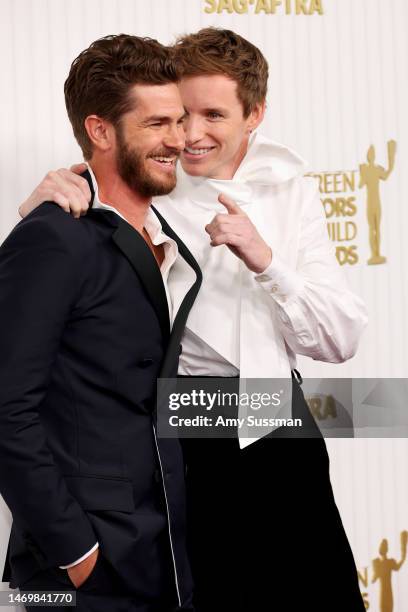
x=162, y=118
x=222, y=111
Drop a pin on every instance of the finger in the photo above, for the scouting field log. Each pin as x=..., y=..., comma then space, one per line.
x=227, y=223
x=77, y=201
x=211, y=227
x=213, y=223
x=228, y=239
x=70, y=202
x=79, y=168
x=62, y=201
x=231, y=206
x=230, y=228
x=79, y=181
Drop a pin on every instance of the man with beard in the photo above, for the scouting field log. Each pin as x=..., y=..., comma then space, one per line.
x=87, y=327
x=264, y=529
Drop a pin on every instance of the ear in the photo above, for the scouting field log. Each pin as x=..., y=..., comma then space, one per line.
x=100, y=132
x=256, y=116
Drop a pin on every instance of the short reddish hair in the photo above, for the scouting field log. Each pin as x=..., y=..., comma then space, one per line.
x=216, y=51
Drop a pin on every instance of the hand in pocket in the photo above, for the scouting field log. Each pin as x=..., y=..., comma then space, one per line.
x=81, y=572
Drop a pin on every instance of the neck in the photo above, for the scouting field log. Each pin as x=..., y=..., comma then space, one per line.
x=236, y=162
x=114, y=191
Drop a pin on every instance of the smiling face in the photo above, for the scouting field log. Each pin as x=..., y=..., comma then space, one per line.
x=217, y=132
x=150, y=138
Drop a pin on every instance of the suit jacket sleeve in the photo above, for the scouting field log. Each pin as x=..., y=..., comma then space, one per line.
x=39, y=282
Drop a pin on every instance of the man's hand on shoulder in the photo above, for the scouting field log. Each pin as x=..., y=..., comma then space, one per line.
x=64, y=187
x=81, y=571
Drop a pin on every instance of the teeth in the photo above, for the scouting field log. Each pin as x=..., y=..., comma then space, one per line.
x=167, y=160
x=198, y=151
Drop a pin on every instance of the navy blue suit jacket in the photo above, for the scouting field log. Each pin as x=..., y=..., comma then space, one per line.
x=84, y=336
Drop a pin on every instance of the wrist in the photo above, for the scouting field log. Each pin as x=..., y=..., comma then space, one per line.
x=25, y=208
x=264, y=262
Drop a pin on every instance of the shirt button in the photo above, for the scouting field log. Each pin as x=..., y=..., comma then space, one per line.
x=274, y=288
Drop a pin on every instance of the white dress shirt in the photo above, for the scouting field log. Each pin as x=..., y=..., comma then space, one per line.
x=255, y=324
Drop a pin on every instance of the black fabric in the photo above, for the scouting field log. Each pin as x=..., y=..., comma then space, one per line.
x=83, y=339
x=168, y=369
x=102, y=591
x=263, y=527
x=135, y=248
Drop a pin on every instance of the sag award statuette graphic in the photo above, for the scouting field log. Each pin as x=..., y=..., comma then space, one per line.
x=382, y=571
x=344, y=193
x=370, y=177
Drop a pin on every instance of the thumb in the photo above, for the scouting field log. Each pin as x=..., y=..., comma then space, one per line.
x=79, y=168
x=231, y=206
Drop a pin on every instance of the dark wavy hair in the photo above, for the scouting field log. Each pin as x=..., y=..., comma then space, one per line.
x=101, y=77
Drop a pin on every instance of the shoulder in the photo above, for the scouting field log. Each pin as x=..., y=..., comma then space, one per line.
x=48, y=226
x=309, y=185
x=307, y=193
x=298, y=193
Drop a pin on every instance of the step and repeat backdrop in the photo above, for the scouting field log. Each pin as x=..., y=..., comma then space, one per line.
x=338, y=94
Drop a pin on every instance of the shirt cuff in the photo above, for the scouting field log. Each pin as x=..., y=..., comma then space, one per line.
x=280, y=281
x=81, y=558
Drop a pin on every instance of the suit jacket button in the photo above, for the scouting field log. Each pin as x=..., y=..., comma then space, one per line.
x=180, y=349
x=157, y=475
x=145, y=363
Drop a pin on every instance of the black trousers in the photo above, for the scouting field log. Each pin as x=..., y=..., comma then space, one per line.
x=102, y=591
x=265, y=533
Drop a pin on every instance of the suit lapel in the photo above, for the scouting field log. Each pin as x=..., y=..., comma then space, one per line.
x=139, y=255
x=168, y=369
x=142, y=260
x=135, y=249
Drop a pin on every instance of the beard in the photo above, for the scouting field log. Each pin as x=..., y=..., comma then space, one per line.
x=132, y=169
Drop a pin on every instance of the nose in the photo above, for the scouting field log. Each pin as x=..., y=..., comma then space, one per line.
x=193, y=128
x=175, y=138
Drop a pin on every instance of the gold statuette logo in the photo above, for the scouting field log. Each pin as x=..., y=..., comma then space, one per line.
x=382, y=571
x=383, y=568
x=370, y=177
x=340, y=195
